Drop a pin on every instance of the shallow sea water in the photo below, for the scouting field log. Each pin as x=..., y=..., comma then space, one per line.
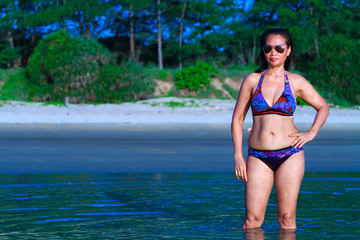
x=167, y=205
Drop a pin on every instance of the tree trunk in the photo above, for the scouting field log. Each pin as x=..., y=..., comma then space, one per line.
x=316, y=43
x=180, y=34
x=118, y=20
x=132, y=37
x=11, y=43
x=81, y=25
x=159, y=36
x=116, y=38
x=64, y=21
x=15, y=63
x=87, y=26
x=11, y=40
x=242, y=55
x=253, y=50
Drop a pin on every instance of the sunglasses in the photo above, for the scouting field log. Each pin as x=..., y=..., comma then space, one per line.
x=278, y=48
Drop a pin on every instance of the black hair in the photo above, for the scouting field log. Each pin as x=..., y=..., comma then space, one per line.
x=263, y=65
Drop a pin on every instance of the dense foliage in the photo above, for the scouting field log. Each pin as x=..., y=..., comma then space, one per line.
x=15, y=85
x=80, y=69
x=223, y=33
x=62, y=65
x=195, y=77
x=336, y=73
x=126, y=82
x=8, y=55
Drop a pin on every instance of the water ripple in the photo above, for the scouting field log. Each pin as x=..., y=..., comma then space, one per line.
x=116, y=213
x=63, y=220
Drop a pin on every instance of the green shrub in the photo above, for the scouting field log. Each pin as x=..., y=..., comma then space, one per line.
x=234, y=93
x=195, y=77
x=335, y=72
x=7, y=54
x=15, y=85
x=250, y=67
x=65, y=66
x=6, y=73
x=165, y=74
x=62, y=65
x=122, y=83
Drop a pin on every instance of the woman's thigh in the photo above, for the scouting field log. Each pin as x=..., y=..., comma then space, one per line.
x=288, y=178
x=258, y=187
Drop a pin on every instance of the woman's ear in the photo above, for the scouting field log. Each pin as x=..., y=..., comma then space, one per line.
x=289, y=51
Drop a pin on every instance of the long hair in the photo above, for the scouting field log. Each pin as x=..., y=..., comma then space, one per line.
x=263, y=65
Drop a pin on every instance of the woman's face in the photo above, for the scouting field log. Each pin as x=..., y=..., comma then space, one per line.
x=276, y=50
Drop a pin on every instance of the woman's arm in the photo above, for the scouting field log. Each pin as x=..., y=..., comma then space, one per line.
x=241, y=108
x=307, y=93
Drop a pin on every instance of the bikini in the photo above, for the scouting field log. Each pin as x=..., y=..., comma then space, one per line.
x=285, y=105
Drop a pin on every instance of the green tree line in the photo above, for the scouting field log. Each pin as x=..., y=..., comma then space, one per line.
x=175, y=34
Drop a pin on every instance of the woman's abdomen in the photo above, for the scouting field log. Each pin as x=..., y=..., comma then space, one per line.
x=271, y=132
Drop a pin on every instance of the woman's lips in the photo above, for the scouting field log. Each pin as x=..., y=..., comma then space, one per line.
x=273, y=59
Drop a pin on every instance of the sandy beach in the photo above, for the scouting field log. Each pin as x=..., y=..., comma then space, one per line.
x=152, y=136
x=153, y=111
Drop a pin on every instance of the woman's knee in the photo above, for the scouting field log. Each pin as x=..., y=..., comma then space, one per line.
x=252, y=221
x=287, y=220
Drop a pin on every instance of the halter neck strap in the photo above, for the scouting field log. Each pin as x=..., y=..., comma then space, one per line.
x=263, y=74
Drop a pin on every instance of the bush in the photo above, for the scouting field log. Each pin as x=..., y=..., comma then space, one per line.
x=15, y=85
x=122, y=83
x=81, y=69
x=7, y=54
x=62, y=65
x=335, y=73
x=195, y=77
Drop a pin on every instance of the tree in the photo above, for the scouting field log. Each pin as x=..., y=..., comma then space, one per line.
x=326, y=35
x=160, y=58
x=81, y=17
x=181, y=32
x=9, y=12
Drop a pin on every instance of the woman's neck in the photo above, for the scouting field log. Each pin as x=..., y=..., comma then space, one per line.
x=278, y=71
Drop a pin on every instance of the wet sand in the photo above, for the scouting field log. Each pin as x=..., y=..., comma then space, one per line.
x=151, y=111
x=51, y=148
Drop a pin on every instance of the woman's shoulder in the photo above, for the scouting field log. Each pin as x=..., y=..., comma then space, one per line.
x=298, y=82
x=252, y=78
x=296, y=78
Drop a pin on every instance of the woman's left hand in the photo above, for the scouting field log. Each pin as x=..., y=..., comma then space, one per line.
x=302, y=138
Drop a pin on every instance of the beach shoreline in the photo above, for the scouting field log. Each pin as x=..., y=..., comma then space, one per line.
x=169, y=110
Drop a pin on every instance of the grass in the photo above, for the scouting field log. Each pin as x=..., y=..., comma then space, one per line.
x=6, y=73
x=237, y=72
x=233, y=92
x=58, y=104
x=166, y=74
x=174, y=104
x=14, y=85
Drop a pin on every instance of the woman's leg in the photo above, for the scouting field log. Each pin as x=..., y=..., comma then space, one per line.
x=258, y=189
x=288, y=179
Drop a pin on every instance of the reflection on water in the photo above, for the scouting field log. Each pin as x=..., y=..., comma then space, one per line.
x=206, y=205
x=255, y=234
x=260, y=234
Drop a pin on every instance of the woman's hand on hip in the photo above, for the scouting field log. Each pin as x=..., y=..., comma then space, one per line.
x=240, y=168
x=301, y=138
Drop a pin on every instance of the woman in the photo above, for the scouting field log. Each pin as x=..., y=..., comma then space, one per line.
x=275, y=145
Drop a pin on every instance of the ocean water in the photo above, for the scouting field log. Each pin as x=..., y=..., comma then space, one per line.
x=168, y=205
x=158, y=182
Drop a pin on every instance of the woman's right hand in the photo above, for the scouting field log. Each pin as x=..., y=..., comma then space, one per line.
x=240, y=168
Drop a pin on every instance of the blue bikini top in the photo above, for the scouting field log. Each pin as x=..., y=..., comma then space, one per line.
x=285, y=105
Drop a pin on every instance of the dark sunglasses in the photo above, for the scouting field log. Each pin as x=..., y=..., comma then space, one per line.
x=278, y=48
